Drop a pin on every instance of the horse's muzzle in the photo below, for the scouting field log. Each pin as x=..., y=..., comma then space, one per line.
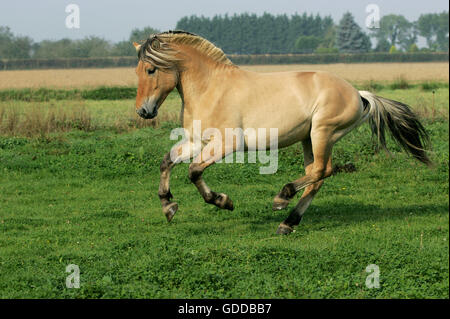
x=146, y=114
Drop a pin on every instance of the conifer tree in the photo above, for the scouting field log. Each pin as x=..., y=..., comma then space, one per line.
x=350, y=38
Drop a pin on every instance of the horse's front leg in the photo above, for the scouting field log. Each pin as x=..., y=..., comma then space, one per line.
x=209, y=155
x=175, y=156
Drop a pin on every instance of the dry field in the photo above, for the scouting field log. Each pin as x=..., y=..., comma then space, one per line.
x=359, y=72
x=77, y=78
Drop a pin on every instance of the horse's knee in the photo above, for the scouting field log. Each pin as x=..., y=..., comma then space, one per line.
x=195, y=171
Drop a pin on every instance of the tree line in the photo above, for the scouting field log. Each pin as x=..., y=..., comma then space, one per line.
x=252, y=34
x=20, y=47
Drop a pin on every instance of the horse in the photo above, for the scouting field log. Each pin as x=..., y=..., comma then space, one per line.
x=314, y=108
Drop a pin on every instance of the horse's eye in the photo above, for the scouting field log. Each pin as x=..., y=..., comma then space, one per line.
x=150, y=72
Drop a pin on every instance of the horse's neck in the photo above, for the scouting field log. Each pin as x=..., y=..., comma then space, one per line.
x=193, y=81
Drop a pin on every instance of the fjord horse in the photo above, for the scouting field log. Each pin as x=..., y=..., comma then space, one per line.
x=315, y=108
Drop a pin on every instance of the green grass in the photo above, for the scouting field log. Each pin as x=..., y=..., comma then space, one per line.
x=90, y=199
x=123, y=93
x=46, y=94
x=106, y=113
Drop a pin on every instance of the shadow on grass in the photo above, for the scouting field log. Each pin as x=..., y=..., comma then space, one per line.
x=216, y=222
x=342, y=214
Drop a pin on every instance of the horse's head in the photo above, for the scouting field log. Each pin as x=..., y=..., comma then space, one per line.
x=156, y=80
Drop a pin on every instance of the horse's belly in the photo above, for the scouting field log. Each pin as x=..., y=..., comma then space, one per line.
x=296, y=134
x=291, y=118
x=260, y=138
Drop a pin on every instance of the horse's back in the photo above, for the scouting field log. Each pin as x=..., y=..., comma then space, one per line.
x=293, y=101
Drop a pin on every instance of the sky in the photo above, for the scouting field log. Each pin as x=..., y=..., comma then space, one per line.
x=114, y=20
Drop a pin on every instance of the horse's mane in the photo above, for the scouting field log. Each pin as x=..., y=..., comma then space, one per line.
x=158, y=51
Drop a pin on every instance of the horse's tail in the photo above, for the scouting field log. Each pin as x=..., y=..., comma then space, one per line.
x=402, y=123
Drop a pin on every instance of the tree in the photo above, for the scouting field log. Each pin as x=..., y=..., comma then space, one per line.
x=48, y=49
x=92, y=46
x=393, y=49
x=123, y=48
x=142, y=34
x=307, y=43
x=396, y=30
x=251, y=34
x=442, y=35
x=434, y=28
x=350, y=37
x=14, y=47
x=6, y=39
x=382, y=46
x=409, y=39
x=21, y=47
x=65, y=48
x=413, y=48
x=329, y=38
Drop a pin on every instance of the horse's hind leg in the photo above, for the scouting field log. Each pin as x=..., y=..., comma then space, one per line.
x=196, y=169
x=297, y=212
x=318, y=167
x=281, y=200
x=317, y=152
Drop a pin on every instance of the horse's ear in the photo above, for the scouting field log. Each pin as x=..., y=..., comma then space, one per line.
x=155, y=44
x=137, y=46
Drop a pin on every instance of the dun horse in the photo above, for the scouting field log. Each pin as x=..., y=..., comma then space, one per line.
x=315, y=108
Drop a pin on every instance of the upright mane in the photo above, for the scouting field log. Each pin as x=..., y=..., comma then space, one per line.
x=157, y=49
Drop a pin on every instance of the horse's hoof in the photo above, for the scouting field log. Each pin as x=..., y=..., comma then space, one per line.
x=284, y=229
x=225, y=202
x=279, y=203
x=228, y=204
x=170, y=210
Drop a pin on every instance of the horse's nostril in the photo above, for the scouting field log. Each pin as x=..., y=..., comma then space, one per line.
x=141, y=111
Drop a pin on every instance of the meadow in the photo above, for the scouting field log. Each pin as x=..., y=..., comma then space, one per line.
x=357, y=72
x=79, y=180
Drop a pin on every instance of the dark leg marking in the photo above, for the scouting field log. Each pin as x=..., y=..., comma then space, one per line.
x=220, y=200
x=165, y=196
x=281, y=201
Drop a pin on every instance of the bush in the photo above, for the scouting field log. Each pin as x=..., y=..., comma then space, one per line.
x=393, y=49
x=400, y=84
x=413, y=48
x=322, y=50
x=307, y=43
x=431, y=85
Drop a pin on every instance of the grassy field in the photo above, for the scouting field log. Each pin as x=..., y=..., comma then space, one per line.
x=76, y=78
x=87, y=195
x=29, y=118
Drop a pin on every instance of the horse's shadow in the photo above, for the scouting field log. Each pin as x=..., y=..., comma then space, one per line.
x=318, y=217
x=341, y=214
